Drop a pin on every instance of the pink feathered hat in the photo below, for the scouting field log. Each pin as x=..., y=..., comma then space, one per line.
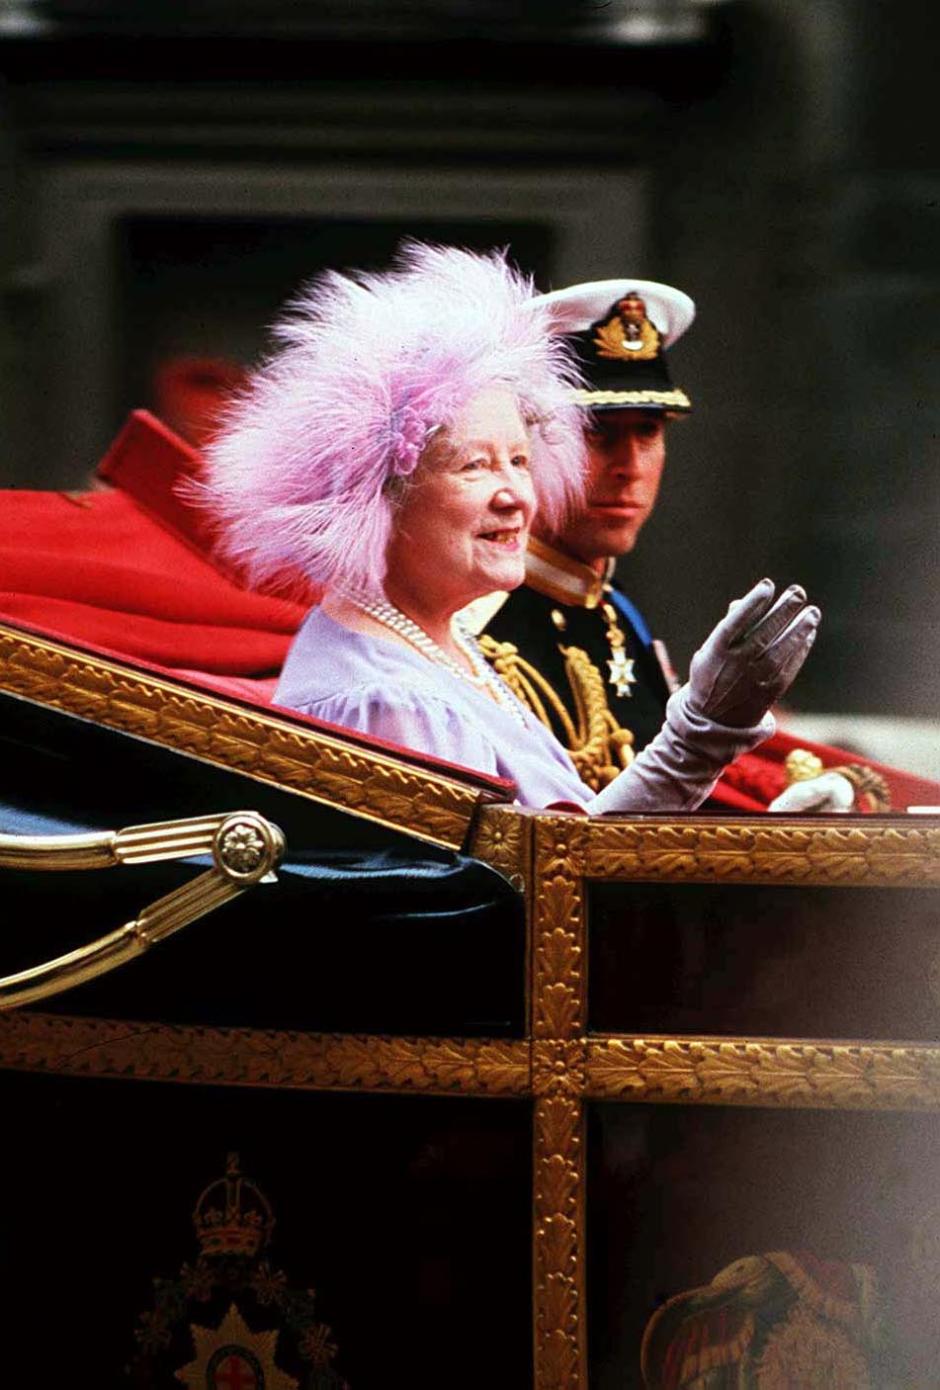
x=369, y=366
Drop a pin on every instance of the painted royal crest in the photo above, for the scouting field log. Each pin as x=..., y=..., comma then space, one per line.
x=231, y=1320
x=628, y=335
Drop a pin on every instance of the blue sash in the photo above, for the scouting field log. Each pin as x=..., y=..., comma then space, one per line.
x=633, y=616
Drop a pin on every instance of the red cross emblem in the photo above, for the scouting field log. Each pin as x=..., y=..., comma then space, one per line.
x=234, y=1371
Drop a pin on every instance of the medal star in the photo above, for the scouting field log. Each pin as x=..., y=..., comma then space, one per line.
x=238, y=1356
x=620, y=667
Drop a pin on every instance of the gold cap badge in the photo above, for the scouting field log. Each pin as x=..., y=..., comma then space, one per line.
x=628, y=334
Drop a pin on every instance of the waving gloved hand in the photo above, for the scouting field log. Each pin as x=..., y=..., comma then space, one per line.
x=752, y=656
x=748, y=662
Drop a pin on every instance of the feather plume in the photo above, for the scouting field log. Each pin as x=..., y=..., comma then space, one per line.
x=366, y=367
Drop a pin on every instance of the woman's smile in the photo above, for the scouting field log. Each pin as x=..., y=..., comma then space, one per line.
x=508, y=539
x=463, y=523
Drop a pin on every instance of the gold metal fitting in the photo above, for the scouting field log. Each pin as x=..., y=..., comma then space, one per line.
x=245, y=850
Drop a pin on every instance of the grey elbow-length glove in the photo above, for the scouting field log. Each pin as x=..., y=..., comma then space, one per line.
x=747, y=663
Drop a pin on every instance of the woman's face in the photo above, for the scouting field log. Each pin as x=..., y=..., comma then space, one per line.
x=462, y=526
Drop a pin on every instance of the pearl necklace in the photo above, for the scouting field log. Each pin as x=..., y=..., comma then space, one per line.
x=481, y=675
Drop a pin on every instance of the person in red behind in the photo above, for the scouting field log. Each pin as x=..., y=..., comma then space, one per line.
x=192, y=394
x=126, y=567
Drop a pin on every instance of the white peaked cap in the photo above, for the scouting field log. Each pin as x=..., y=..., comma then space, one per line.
x=576, y=308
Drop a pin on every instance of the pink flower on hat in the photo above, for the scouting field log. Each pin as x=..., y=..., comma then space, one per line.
x=407, y=434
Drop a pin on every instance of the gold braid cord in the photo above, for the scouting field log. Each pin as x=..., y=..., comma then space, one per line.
x=803, y=766
x=600, y=749
x=867, y=783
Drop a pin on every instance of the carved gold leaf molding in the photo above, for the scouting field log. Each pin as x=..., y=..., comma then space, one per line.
x=866, y=854
x=559, y=1241
x=71, y=1046
x=558, y=980
x=710, y=1071
x=666, y=1070
x=558, y=1078
x=326, y=769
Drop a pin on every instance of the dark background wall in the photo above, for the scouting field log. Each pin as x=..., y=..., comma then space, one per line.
x=166, y=179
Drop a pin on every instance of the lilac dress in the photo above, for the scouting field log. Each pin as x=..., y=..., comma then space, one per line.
x=386, y=689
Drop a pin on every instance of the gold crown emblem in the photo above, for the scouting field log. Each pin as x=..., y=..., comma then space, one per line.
x=232, y=1215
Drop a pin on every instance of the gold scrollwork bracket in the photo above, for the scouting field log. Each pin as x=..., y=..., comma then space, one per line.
x=245, y=850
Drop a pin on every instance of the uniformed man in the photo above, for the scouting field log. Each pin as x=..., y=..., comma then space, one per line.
x=569, y=641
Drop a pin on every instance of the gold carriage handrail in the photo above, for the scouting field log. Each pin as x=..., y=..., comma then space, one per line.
x=245, y=850
x=138, y=844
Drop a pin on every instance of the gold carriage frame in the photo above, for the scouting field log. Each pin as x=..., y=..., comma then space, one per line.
x=558, y=1065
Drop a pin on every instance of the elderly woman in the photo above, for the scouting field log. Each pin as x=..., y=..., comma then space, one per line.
x=394, y=453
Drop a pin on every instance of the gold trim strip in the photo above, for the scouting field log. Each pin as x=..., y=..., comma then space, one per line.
x=553, y=573
x=542, y=584
x=72, y=1046
x=782, y=1074
x=893, y=852
x=572, y=568
x=559, y=1002
x=676, y=400
x=559, y=987
x=549, y=580
x=372, y=785
x=560, y=1330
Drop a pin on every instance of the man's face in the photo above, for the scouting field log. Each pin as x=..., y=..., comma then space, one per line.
x=626, y=450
